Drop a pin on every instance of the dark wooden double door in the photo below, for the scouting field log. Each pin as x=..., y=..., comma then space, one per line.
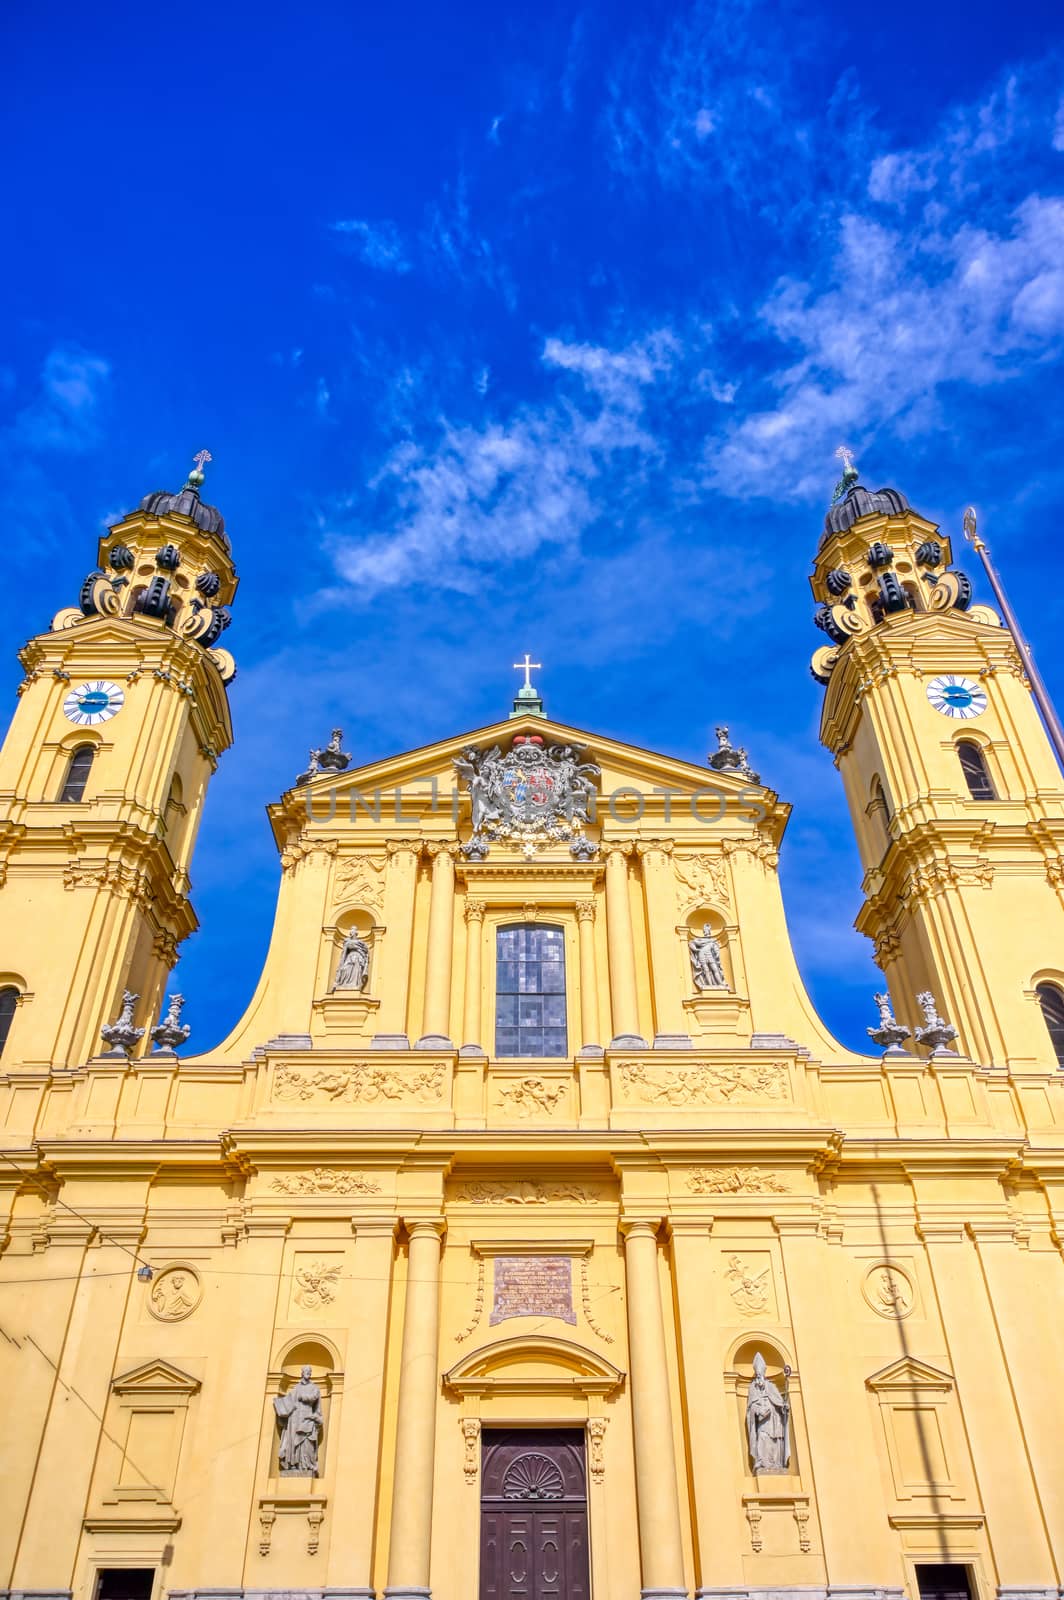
x=533, y=1516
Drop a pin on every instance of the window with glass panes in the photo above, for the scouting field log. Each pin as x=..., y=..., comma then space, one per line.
x=530, y=991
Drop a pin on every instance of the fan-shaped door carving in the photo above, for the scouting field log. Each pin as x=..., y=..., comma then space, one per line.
x=533, y=1542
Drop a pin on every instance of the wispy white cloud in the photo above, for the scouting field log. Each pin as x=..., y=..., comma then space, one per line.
x=379, y=244
x=65, y=413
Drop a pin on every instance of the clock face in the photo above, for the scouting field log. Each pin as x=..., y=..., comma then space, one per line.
x=95, y=702
x=956, y=696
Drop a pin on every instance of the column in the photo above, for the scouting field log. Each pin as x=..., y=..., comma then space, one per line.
x=660, y=1539
x=589, y=1017
x=394, y=973
x=474, y=1010
x=410, y=1545
x=659, y=893
x=436, y=1021
x=623, y=993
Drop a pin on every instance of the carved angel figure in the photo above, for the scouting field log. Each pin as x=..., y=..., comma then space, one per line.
x=706, y=965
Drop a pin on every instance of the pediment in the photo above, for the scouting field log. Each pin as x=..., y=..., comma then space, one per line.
x=908, y=1374
x=155, y=1377
x=533, y=1365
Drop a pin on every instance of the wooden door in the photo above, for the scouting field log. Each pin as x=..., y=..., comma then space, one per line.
x=533, y=1516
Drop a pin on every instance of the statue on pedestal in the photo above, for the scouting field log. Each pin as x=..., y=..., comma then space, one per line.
x=353, y=969
x=767, y=1422
x=299, y=1410
x=707, y=968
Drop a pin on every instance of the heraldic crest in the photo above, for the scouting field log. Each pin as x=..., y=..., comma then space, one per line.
x=533, y=794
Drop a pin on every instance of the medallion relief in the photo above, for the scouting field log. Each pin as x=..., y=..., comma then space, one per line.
x=533, y=1096
x=175, y=1294
x=889, y=1291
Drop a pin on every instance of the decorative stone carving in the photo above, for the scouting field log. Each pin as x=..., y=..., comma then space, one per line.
x=478, y=1307
x=352, y=971
x=525, y=1192
x=316, y=1284
x=171, y=1031
x=301, y=1422
x=529, y=1095
x=330, y=759
x=706, y=876
x=727, y=758
x=475, y=909
x=324, y=1180
x=175, y=1294
x=361, y=878
x=583, y=849
x=585, y=1302
x=937, y=1034
x=734, y=1180
x=533, y=794
x=890, y=1034
x=889, y=1291
x=707, y=968
x=596, y=1434
x=748, y=1289
x=359, y=1084
x=121, y=1035
x=471, y=1438
x=767, y=1422
x=585, y=910
x=646, y=1083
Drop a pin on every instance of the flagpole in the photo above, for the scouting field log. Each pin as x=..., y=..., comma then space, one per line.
x=1038, y=688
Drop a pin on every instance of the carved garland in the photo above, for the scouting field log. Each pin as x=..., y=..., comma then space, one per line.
x=649, y=1084
x=325, y=1180
x=478, y=1307
x=585, y=1301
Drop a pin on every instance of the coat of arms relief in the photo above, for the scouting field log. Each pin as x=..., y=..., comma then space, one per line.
x=535, y=794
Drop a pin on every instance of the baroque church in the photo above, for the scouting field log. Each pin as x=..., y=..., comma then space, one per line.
x=531, y=1237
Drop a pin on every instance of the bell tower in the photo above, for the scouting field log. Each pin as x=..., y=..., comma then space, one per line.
x=121, y=718
x=956, y=796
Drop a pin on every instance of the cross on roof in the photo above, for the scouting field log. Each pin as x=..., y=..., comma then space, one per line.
x=201, y=458
x=528, y=666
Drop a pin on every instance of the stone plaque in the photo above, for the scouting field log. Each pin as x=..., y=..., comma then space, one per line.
x=533, y=1286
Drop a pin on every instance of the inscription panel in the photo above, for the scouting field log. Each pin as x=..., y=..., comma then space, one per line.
x=533, y=1286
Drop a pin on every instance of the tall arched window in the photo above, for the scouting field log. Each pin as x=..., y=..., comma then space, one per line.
x=78, y=772
x=879, y=807
x=530, y=991
x=1051, y=1000
x=976, y=772
x=8, y=1002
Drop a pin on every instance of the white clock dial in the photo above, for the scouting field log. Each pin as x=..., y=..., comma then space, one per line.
x=957, y=696
x=91, y=703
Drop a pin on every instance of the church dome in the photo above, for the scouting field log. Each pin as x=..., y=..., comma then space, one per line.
x=186, y=503
x=860, y=502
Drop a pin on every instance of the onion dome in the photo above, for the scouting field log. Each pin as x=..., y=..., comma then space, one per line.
x=859, y=502
x=187, y=503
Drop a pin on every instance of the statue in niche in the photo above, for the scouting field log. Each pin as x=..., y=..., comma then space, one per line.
x=768, y=1415
x=353, y=969
x=300, y=1415
x=706, y=965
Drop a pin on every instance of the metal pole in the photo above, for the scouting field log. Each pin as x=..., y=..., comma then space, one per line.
x=1038, y=688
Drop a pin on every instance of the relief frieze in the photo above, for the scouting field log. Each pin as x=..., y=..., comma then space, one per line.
x=524, y=1192
x=647, y=1083
x=361, y=1083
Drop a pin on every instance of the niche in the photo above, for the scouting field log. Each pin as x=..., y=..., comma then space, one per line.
x=360, y=925
x=697, y=922
x=299, y=1437
x=762, y=1427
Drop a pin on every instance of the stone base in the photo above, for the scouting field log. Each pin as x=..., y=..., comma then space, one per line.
x=802, y=1591
x=407, y=1594
x=271, y=1594
x=433, y=1041
x=389, y=1041
x=591, y=1050
x=290, y=1041
x=664, y=1594
x=673, y=1041
x=629, y=1041
x=472, y=1050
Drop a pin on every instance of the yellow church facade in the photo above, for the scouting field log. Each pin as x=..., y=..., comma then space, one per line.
x=531, y=1237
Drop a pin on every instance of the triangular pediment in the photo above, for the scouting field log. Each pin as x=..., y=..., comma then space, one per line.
x=909, y=1373
x=155, y=1377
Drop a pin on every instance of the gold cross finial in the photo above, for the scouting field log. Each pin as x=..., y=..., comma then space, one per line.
x=845, y=455
x=199, y=460
x=528, y=666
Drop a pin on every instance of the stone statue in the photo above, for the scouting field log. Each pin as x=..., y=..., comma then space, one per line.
x=937, y=1034
x=170, y=1031
x=121, y=1035
x=890, y=1034
x=353, y=969
x=299, y=1412
x=706, y=965
x=768, y=1415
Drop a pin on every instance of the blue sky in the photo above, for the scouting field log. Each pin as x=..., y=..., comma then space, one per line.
x=529, y=328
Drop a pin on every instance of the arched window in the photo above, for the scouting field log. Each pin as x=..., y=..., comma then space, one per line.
x=78, y=772
x=530, y=991
x=8, y=1002
x=879, y=807
x=1051, y=1000
x=976, y=772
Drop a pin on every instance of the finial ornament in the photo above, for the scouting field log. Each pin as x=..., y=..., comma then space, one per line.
x=528, y=666
x=971, y=528
x=731, y=758
x=195, y=477
x=121, y=1035
x=937, y=1033
x=171, y=1031
x=849, y=472
x=332, y=758
x=890, y=1034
